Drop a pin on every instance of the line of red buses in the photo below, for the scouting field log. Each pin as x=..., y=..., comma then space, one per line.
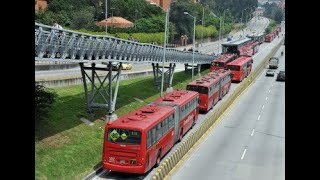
x=136, y=142
x=270, y=37
x=237, y=56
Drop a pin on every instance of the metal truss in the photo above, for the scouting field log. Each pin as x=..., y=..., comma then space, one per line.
x=52, y=44
x=168, y=74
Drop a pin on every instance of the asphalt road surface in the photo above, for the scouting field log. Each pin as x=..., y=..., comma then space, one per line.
x=249, y=141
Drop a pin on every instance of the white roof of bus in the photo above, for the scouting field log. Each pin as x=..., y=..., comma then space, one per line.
x=236, y=42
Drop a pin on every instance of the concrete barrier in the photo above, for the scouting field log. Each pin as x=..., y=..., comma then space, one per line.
x=188, y=143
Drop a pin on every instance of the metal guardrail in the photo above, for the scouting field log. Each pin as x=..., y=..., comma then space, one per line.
x=65, y=45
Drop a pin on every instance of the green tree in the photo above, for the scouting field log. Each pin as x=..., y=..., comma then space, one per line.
x=44, y=98
x=83, y=18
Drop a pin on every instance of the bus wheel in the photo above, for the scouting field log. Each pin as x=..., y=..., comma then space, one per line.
x=193, y=123
x=180, y=136
x=158, y=158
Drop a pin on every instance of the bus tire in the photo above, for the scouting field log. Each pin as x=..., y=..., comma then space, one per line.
x=158, y=158
x=181, y=135
x=193, y=123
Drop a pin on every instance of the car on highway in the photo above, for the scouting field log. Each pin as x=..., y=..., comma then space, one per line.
x=281, y=76
x=270, y=72
x=125, y=66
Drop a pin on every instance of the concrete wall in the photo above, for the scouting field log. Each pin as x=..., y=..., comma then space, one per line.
x=78, y=80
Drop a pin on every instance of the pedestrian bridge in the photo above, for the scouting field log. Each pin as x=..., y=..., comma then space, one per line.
x=52, y=44
x=65, y=45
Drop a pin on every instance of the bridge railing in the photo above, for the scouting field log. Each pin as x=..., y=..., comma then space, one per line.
x=63, y=45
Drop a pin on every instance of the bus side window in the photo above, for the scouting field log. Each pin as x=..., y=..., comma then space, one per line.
x=149, y=137
x=159, y=131
x=153, y=135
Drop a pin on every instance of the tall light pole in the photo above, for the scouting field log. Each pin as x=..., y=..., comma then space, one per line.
x=112, y=8
x=241, y=21
x=164, y=46
x=106, y=17
x=194, y=33
x=224, y=12
x=202, y=26
x=219, y=35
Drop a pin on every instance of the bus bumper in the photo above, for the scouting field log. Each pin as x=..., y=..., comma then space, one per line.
x=123, y=168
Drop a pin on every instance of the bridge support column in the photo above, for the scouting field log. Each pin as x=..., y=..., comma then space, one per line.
x=168, y=74
x=199, y=69
x=101, y=95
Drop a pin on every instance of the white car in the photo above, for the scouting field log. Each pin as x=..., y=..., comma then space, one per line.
x=270, y=72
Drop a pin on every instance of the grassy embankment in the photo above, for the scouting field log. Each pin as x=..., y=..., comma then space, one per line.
x=65, y=147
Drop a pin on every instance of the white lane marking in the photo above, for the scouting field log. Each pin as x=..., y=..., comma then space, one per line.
x=252, y=132
x=98, y=175
x=244, y=152
x=269, y=90
x=266, y=98
x=262, y=106
x=258, y=117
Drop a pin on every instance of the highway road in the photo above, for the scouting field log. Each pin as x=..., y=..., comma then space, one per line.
x=208, y=48
x=254, y=24
x=263, y=51
x=249, y=141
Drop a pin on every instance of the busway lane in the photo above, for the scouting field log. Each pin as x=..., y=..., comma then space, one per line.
x=257, y=59
x=248, y=141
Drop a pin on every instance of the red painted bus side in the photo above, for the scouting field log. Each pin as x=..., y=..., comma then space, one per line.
x=268, y=37
x=134, y=156
x=240, y=68
x=222, y=61
x=211, y=88
x=187, y=101
x=135, y=142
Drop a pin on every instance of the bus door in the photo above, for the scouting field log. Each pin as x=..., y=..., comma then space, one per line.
x=220, y=88
x=244, y=71
x=176, y=122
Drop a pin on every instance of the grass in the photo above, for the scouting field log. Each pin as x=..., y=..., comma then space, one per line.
x=66, y=148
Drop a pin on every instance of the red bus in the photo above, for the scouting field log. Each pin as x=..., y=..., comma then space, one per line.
x=211, y=87
x=240, y=68
x=268, y=37
x=222, y=61
x=135, y=142
x=249, y=49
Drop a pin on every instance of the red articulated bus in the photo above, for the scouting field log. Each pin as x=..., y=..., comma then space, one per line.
x=222, y=61
x=240, y=68
x=136, y=142
x=186, y=104
x=211, y=87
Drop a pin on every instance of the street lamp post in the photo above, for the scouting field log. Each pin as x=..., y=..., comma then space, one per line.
x=164, y=46
x=106, y=17
x=202, y=26
x=219, y=35
x=241, y=21
x=224, y=12
x=221, y=29
x=194, y=33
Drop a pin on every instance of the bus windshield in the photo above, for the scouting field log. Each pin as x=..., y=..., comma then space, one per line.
x=234, y=68
x=218, y=64
x=199, y=89
x=124, y=136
